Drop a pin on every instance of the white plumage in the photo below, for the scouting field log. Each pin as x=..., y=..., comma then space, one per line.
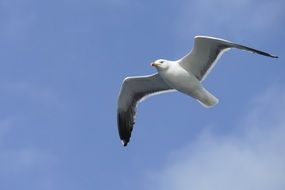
x=184, y=75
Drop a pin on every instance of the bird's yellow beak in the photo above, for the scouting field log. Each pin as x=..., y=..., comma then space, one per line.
x=155, y=64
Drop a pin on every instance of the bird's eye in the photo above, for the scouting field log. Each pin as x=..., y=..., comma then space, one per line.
x=161, y=62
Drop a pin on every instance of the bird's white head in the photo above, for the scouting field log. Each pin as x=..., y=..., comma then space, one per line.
x=160, y=64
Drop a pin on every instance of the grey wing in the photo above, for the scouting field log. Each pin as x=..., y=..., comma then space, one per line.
x=132, y=91
x=206, y=52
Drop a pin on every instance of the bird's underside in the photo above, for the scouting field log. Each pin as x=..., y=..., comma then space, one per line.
x=199, y=62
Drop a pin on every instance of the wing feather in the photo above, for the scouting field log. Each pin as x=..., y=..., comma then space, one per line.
x=133, y=90
x=206, y=52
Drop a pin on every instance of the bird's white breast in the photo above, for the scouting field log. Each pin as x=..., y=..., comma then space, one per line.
x=179, y=79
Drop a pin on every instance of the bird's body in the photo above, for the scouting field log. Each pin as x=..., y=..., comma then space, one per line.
x=176, y=76
x=184, y=75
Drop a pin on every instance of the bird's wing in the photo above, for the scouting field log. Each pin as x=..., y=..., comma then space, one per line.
x=206, y=51
x=133, y=90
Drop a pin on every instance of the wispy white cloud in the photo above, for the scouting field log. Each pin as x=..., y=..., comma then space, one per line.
x=29, y=90
x=237, y=19
x=22, y=160
x=5, y=127
x=16, y=19
x=249, y=157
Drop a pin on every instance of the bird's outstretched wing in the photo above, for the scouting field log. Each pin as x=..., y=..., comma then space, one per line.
x=206, y=51
x=133, y=90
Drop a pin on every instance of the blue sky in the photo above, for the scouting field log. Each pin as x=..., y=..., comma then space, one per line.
x=62, y=64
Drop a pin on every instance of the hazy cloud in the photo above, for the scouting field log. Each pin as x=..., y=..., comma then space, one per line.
x=30, y=90
x=20, y=159
x=250, y=157
x=238, y=19
x=16, y=161
x=16, y=16
x=5, y=127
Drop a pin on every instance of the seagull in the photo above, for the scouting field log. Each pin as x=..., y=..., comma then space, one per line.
x=184, y=75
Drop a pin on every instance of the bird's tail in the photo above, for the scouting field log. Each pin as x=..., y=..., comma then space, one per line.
x=207, y=99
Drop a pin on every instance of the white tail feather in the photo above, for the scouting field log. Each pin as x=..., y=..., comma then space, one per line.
x=207, y=99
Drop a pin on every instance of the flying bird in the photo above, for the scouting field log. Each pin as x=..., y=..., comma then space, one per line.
x=184, y=75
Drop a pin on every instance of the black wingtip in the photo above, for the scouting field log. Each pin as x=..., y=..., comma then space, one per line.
x=265, y=54
x=274, y=56
x=242, y=47
x=124, y=142
x=270, y=55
